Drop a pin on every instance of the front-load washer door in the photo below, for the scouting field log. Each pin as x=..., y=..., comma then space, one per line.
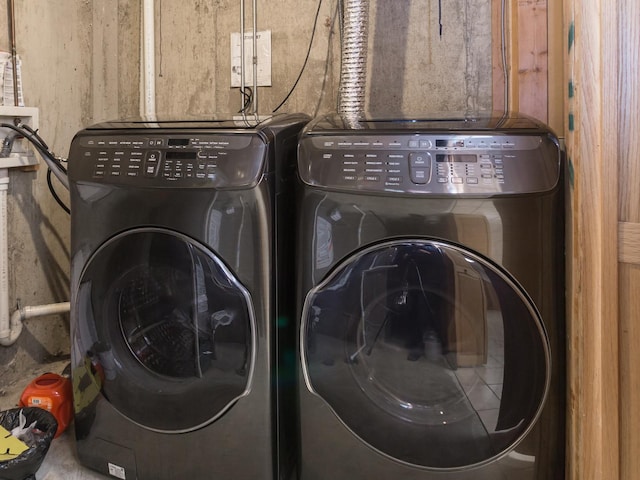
x=427, y=352
x=166, y=329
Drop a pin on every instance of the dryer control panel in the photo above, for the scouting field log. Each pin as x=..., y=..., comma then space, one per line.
x=156, y=159
x=438, y=163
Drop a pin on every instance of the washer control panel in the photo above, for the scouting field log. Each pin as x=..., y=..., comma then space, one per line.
x=167, y=159
x=430, y=163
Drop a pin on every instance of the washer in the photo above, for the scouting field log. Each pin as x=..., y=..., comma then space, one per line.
x=178, y=322
x=431, y=299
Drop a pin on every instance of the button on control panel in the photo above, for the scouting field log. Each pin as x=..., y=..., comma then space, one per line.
x=428, y=163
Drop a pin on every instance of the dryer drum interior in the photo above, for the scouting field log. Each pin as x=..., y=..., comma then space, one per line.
x=437, y=343
x=169, y=320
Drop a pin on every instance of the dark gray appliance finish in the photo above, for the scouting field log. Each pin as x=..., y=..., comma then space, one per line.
x=180, y=314
x=431, y=336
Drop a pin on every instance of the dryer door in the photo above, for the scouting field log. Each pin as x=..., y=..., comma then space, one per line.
x=165, y=330
x=429, y=353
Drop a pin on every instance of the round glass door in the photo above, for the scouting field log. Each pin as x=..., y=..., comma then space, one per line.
x=168, y=327
x=427, y=352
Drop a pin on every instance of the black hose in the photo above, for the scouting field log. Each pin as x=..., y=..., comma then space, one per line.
x=53, y=163
x=50, y=159
x=54, y=194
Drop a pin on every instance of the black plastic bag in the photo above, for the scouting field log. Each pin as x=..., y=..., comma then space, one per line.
x=25, y=465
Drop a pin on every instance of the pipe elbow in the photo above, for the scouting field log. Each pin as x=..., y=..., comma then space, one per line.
x=9, y=336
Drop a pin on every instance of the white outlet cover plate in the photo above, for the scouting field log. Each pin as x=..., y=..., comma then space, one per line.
x=22, y=153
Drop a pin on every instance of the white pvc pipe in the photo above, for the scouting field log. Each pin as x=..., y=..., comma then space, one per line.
x=148, y=64
x=29, y=312
x=254, y=13
x=5, y=326
x=242, y=55
x=254, y=58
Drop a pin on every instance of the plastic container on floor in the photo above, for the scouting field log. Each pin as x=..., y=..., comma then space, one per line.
x=51, y=392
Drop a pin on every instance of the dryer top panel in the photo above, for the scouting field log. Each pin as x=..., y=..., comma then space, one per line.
x=481, y=157
x=486, y=121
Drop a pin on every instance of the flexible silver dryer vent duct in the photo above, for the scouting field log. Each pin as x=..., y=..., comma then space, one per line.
x=353, y=75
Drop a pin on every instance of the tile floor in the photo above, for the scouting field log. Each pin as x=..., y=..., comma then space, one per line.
x=61, y=462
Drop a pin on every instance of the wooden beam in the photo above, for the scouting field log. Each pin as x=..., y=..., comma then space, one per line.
x=628, y=50
x=629, y=242
x=497, y=55
x=591, y=138
x=526, y=53
x=505, y=54
x=532, y=44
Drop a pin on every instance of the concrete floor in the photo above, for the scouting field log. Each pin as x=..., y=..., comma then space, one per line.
x=61, y=462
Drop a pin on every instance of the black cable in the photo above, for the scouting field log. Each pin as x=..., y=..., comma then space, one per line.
x=31, y=135
x=35, y=134
x=50, y=159
x=248, y=98
x=22, y=133
x=304, y=65
x=54, y=194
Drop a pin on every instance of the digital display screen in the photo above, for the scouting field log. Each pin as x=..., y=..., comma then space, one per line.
x=178, y=142
x=457, y=158
x=181, y=155
x=450, y=143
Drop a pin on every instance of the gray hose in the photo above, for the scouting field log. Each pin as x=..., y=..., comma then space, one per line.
x=353, y=75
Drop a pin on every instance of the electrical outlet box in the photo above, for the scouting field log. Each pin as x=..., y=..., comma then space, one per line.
x=263, y=54
x=22, y=153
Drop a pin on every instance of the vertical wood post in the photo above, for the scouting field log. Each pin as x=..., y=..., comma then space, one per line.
x=592, y=148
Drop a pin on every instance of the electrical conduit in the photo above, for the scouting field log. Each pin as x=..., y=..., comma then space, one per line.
x=8, y=335
x=148, y=64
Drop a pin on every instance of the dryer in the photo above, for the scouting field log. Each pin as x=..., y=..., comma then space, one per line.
x=180, y=314
x=431, y=299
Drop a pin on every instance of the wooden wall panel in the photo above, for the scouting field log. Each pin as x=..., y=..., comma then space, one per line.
x=532, y=58
x=531, y=85
x=629, y=112
x=600, y=118
x=629, y=372
x=629, y=215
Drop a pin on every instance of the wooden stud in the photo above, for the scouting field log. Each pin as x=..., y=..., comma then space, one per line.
x=593, y=331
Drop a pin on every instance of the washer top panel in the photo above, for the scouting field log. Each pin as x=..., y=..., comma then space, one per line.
x=167, y=159
x=479, y=158
x=192, y=153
